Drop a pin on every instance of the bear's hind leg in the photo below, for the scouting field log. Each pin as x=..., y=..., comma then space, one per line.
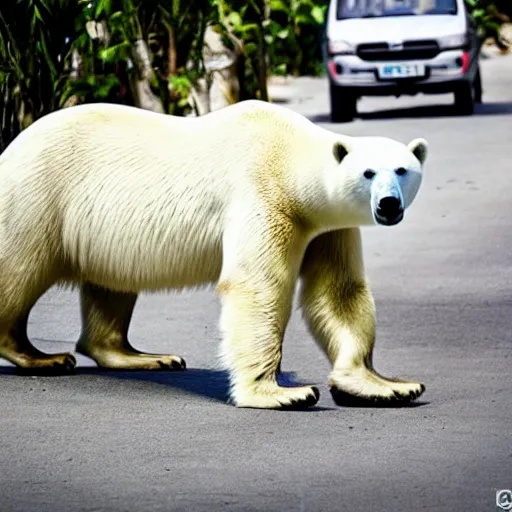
x=29, y=266
x=339, y=309
x=106, y=316
x=16, y=348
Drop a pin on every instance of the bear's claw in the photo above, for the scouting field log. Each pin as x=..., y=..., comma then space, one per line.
x=276, y=397
x=345, y=399
x=68, y=366
x=302, y=404
x=174, y=365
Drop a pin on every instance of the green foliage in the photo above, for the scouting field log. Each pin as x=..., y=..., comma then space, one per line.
x=180, y=86
x=92, y=88
x=59, y=52
x=489, y=16
x=246, y=20
x=35, y=37
x=279, y=37
x=294, y=36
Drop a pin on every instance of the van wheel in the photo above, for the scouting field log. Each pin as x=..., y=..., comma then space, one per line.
x=478, y=87
x=465, y=99
x=343, y=104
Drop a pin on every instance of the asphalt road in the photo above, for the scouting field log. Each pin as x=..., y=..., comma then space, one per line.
x=106, y=441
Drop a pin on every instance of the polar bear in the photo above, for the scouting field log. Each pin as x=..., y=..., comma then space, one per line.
x=252, y=198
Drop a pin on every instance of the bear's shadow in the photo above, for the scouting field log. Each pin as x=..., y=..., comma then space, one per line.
x=207, y=383
x=202, y=382
x=213, y=384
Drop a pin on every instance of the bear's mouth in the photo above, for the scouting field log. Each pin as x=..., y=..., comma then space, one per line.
x=388, y=221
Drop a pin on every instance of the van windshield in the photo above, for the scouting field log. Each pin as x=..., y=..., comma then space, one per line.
x=382, y=8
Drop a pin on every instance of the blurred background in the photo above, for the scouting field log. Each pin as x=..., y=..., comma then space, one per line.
x=175, y=56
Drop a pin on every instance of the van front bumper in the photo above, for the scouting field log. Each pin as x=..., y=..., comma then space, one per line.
x=442, y=73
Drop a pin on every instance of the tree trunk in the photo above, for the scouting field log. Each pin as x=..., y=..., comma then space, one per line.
x=220, y=64
x=77, y=72
x=262, y=53
x=173, y=55
x=262, y=68
x=200, y=93
x=144, y=96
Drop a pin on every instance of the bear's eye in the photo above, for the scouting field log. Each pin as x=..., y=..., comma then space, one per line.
x=401, y=171
x=369, y=174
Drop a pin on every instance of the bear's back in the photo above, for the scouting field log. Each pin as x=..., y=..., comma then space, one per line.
x=142, y=198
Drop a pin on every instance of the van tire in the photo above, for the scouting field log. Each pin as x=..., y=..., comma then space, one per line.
x=343, y=104
x=465, y=99
x=478, y=87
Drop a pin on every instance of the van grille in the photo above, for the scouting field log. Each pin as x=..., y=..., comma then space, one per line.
x=410, y=50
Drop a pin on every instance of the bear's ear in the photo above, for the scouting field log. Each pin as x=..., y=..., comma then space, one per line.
x=340, y=150
x=419, y=148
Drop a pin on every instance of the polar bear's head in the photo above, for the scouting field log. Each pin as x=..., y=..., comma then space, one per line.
x=375, y=178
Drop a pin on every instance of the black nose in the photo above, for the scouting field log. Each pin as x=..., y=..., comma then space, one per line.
x=389, y=207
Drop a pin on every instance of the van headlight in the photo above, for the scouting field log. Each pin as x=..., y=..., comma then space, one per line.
x=454, y=42
x=340, y=48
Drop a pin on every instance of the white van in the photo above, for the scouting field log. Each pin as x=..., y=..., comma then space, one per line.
x=395, y=47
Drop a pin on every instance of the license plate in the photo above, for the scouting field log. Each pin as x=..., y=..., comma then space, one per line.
x=401, y=70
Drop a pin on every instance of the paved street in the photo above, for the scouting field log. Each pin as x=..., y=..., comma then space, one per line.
x=150, y=442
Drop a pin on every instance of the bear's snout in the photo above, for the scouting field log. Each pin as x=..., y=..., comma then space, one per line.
x=389, y=211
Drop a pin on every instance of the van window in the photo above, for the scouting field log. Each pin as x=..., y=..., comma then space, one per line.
x=381, y=8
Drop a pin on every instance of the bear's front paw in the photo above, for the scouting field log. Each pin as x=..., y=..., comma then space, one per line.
x=273, y=396
x=371, y=390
